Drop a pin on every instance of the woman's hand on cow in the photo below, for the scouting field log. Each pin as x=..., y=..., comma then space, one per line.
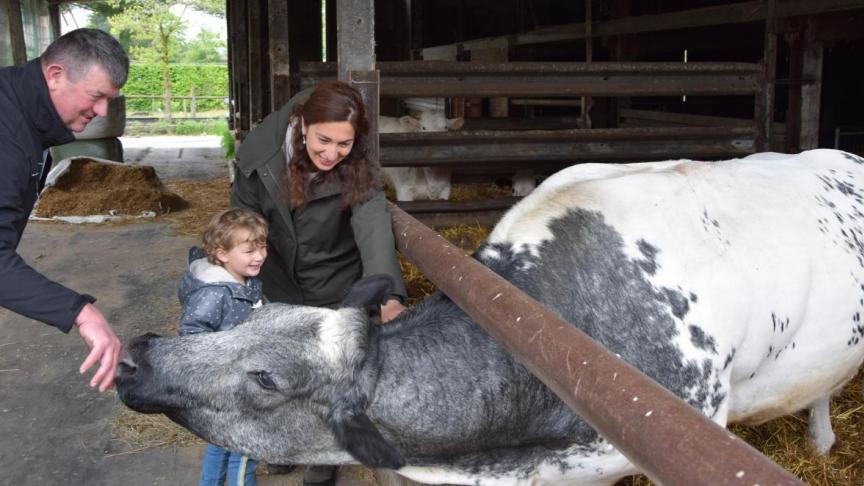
x=390, y=310
x=105, y=346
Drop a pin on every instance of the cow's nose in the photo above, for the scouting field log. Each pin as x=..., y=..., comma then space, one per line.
x=126, y=367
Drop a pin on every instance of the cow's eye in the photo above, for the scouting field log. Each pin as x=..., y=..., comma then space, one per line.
x=263, y=379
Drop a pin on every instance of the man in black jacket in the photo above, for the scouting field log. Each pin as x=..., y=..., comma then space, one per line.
x=41, y=104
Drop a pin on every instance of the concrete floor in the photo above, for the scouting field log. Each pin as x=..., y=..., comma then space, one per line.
x=55, y=430
x=197, y=157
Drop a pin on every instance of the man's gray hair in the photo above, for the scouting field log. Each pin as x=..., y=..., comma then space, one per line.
x=79, y=50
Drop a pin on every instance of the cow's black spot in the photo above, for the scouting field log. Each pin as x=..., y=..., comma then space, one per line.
x=853, y=158
x=677, y=302
x=584, y=274
x=702, y=340
x=649, y=264
x=729, y=358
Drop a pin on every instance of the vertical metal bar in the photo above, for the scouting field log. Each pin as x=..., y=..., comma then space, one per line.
x=626, y=407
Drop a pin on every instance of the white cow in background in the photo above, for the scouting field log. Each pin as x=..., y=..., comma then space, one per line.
x=430, y=183
x=419, y=183
x=737, y=285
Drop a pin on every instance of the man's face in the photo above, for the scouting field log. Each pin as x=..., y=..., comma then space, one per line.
x=77, y=102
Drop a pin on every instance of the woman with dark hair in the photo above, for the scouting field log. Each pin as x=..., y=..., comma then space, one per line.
x=305, y=168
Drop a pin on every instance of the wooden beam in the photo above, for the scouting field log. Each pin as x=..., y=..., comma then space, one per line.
x=280, y=65
x=751, y=11
x=525, y=149
x=555, y=80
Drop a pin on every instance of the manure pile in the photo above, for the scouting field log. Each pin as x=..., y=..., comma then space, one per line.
x=90, y=187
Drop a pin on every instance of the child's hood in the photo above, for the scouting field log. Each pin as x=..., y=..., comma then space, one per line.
x=202, y=273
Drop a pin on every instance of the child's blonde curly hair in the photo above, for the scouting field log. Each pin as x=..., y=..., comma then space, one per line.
x=221, y=232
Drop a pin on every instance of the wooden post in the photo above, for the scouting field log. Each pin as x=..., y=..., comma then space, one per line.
x=193, y=105
x=499, y=107
x=589, y=54
x=258, y=96
x=16, y=31
x=54, y=17
x=765, y=103
x=811, y=93
x=240, y=66
x=356, y=58
x=793, y=110
x=280, y=65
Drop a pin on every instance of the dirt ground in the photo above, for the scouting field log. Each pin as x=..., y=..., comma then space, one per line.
x=54, y=429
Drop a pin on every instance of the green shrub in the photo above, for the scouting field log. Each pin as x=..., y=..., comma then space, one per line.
x=189, y=127
x=228, y=142
x=207, y=79
x=160, y=128
x=217, y=127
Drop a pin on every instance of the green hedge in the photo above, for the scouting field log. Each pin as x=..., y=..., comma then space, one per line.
x=207, y=79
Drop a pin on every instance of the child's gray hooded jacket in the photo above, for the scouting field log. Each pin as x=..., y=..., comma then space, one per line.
x=212, y=299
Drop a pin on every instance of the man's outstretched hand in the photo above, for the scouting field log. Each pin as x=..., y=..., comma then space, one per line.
x=105, y=347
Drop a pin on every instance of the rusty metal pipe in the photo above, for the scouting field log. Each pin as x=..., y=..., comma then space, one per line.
x=664, y=437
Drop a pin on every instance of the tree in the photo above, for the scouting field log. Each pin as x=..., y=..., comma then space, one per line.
x=205, y=47
x=157, y=30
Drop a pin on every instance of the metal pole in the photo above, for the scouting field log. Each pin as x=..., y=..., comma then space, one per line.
x=664, y=437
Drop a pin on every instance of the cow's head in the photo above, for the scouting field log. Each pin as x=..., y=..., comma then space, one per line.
x=437, y=121
x=283, y=387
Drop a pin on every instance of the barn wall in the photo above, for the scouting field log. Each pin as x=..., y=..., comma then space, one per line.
x=552, y=31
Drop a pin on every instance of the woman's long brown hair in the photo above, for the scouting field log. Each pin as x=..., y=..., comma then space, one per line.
x=360, y=177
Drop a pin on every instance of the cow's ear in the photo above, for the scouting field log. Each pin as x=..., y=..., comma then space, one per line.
x=410, y=123
x=371, y=291
x=359, y=437
x=455, y=123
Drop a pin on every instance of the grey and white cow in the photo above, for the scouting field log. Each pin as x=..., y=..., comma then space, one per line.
x=738, y=285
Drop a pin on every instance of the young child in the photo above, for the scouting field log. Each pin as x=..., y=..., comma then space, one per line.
x=217, y=292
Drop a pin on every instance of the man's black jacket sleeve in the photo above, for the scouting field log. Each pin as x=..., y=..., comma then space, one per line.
x=22, y=289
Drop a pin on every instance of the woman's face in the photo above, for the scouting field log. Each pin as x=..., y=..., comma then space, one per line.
x=328, y=143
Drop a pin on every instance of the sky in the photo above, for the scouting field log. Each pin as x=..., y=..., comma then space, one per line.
x=195, y=21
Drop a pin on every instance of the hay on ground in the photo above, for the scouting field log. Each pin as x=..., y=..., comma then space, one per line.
x=205, y=199
x=94, y=188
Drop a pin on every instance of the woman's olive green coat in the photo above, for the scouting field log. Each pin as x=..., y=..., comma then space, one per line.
x=317, y=251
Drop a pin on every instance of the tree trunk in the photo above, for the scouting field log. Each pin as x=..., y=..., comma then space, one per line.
x=166, y=77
